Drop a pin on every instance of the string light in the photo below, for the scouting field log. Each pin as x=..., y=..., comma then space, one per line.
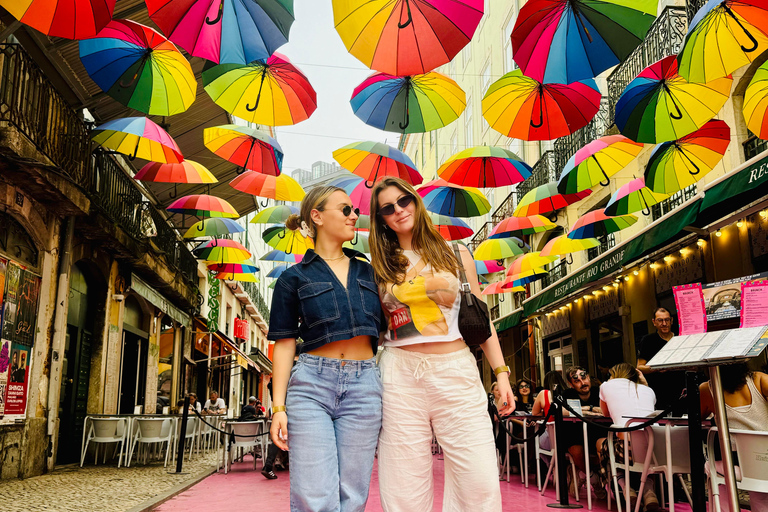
x=700, y=242
x=740, y=224
x=668, y=259
x=607, y=288
x=586, y=297
x=718, y=233
x=626, y=278
x=764, y=214
x=636, y=272
x=596, y=292
x=615, y=285
x=654, y=265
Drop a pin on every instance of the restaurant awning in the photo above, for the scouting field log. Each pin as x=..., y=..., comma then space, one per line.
x=509, y=321
x=262, y=360
x=241, y=358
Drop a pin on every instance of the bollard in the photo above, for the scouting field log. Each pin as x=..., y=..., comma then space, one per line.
x=182, y=435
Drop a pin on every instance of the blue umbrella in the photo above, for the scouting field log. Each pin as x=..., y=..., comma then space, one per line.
x=278, y=255
x=277, y=271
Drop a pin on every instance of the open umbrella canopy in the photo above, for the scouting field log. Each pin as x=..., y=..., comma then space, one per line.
x=214, y=228
x=516, y=226
x=408, y=104
x=487, y=267
x=529, y=264
x=633, y=197
x=678, y=164
x=138, y=137
x=597, y=224
x=500, y=248
x=564, y=41
x=287, y=240
x=450, y=228
x=453, y=200
x=406, y=37
x=518, y=280
x=275, y=255
x=274, y=214
x=359, y=243
x=272, y=92
x=483, y=167
x=247, y=147
x=277, y=271
x=140, y=68
x=234, y=268
x=660, y=105
x=221, y=250
x=522, y=108
x=596, y=162
x=545, y=199
x=62, y=18
x=374, y=161
x=356, y=189
x=722, y=37
x=756, y=103
x=498, y=287
x=234, y=31
x=203, y=205
x=279, y=188
x=562, y=245
x=187, y=171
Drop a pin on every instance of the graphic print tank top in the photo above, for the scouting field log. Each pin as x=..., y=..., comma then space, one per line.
x=422, y=309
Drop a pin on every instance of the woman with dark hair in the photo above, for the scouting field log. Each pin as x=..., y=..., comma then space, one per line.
x=553, y=381
x=524, y=395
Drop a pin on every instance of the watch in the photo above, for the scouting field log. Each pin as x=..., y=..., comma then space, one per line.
x=501, y=369
x=278, y=408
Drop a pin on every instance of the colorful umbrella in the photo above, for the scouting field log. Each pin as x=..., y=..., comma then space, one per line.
x=247, y=147
x=518, y=280
x=70, y=20
x=659, y=105
x=450, y=228
x=500, y=248
x=363, y=223
x=287, y=240
x=214, y=228
x=545, y=199
x=487, y=267
x=277, y=271
x=529, y=264
x=233, y=268
x=756, y=103
x=522, y=108
x=228, y=276
x=408, y=104
x=274, y=214
x=279, y=188
x=722, y=37
x=564, y=41
x=453, y=200
x=272, y=92
x=596, y=162
x=678, y=164
x=234, y=31
x=357, y=191
x=275, y=255
x=483, y=167
x=138, y=137
x=597, y=224
x=562, y=245
x=516, y=226
x=633, y=197
x=272, y=286
x=374, y=161
x=498, y=287
x=406, y=37
x=187, y=171
x=360, y=244
x=203, y=205
x=222, y=250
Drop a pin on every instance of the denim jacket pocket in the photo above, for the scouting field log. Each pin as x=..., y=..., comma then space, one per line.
x=369, y=297
x=318, y=303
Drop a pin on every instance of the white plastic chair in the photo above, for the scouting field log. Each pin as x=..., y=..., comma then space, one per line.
x=105, y=431
x=206, y=435
x=192, y=434
x=752, y=471
x=247, y=436
x=641, y=463
x=151, y=431
x=552, y=469
x=519, y=447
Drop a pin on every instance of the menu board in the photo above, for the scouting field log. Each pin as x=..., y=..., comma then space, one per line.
x=711, y=347
x=754, y=304
x=723, y=299
x=691, y=313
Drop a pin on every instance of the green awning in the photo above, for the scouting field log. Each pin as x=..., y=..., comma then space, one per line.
x=509, y=321
x=740, y=188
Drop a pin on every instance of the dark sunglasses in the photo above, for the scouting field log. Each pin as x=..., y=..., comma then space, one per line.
x=524, y=386
x=346, y=210
x=403, y=202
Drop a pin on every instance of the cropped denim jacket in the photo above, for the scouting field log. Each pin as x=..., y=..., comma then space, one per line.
x=310, y=303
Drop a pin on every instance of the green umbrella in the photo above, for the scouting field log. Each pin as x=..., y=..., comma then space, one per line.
x=633, y=197
x=274, y=214
x=213, y=227
x=360, y=243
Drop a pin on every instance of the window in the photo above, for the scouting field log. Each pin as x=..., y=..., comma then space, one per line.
x=509, y=61
x=485, y=78
x=454, y=143
x=468, y=138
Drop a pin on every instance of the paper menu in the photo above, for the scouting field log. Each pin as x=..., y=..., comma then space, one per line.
x=691, y=312
x=712, y=346
x=754, y=304
x=736, y=342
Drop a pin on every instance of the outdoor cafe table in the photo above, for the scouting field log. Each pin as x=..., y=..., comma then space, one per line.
x=526, y=420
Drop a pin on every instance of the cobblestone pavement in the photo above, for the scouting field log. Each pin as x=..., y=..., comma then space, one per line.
x=99, y=488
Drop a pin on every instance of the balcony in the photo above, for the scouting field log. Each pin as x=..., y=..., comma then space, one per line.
x=754, y=146
x=693, y=6
x=555, y=274
x=664, y=38
x=565, y=147
x=495, y=312
x=253, y=291
x=544, y=171
x=480, y=236
x=660, y=209
x=606, y=243
x=506, y=209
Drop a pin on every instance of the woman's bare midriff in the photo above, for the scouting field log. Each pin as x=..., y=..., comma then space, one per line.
x=436, y=347
x=353, y=349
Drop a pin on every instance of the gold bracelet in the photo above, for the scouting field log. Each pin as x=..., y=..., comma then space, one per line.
x=501, y=369
x=278, y=408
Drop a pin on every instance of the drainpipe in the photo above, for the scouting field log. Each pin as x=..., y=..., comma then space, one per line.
x=59, y=336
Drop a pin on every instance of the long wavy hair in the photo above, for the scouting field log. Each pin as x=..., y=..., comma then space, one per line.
x=314, y=200
x=387, y=258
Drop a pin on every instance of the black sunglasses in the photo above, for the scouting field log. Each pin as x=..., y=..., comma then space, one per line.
x=346, y=210
x=403, y=202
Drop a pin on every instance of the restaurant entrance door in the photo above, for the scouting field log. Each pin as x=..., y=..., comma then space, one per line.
x=133, y=365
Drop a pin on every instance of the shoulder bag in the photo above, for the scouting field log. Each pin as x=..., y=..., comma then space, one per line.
x=474, y=321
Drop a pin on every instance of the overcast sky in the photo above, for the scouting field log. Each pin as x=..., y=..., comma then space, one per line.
x=317, y=50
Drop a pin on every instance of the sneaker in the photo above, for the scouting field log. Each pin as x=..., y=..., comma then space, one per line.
x=269, y=475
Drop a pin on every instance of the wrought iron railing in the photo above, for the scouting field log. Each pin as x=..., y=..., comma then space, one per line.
x=544, y=171
x=660, y=209
x=566, y=146
x=480, y=236
x=754, y=146
x=495, y=312
x=692, y=7
x=664, y=38
x=606, y=243
x=506, y=209
x=555, y=274
x=261, y=305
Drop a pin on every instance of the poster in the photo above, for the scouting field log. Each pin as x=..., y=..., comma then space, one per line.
x=3, y=267
x=5, y=364
x=754, y=304
x=691, y=313
x=26, y=309
x=18, y=380
x=723, y=299
x=12, y=277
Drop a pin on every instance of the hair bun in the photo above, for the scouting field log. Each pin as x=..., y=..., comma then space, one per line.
x=293, y=222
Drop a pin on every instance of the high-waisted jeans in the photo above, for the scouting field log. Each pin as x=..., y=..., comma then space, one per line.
x=334, y=419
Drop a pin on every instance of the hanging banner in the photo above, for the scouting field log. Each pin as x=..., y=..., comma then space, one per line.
x=691, y=313
x=5, y=365
x=26, y=310
x=18, y=380
x=754, y=304
x=10, y=304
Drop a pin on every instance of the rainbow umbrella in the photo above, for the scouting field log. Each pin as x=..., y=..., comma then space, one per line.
x=203, y=205
x=529, y=264
x=360, y=244
x=187, y=171
x=408, y=104
x=274, y=214
x=516, y=226
x=756, y=103
x=633, y=197
x=234, y=31
x=272, y=285
x=287, y=240
x=406, y=37
x=221, y=250
x=596, y=162
x=679, y=164
x=487, y=267
x=545, y=199
x=67, y=19
x=233, y=268
x=596, y=224
x=450, y=228
x=660, y=106
x=363, y=223
x=272, y=92
x=246, y=278
x=562, y=246
x=500, y=248
x=139, y=68
x=277, y=271
x=357, y=191
x=564, y=41
x=214, y=228
x=138, y=137
x=483, y=167
x=453, y=200
x=275, y=255
x=374, y=161
x=245, y=146
x=499, y=287
x=722, y=37
x=522, y=108
x=514, y=281
x=279, y=188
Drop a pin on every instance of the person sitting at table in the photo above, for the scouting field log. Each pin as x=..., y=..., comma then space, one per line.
x=524, y=395
x=626, y=394
x=194, y=403
x=250, y=412
x=745, y=394
x=552, y=380
x=215, y=405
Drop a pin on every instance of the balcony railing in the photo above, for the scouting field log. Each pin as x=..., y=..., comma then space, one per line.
x=253, y=291
x=672, y=202
x=480, y=236
x=544, y=171
x=495, y=312
x=693, y=6
x=606, y=243
x=506, y=209
x=754, y=146
x=555, y=274
x=566, y=146
x=664, y=38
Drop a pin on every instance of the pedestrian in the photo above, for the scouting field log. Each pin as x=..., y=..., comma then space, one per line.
x=431, y=381
x=327, y=408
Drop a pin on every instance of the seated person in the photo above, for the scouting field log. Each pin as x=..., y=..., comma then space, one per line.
x=252, y=411
x=524, y=395
x=215, y=405
x=552, y=381
x=194, y=402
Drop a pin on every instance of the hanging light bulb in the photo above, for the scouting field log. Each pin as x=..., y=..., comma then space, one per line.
x=764, y=214
x=740, y=224
x=636, y=272
x=700, y=242
x=718, y=233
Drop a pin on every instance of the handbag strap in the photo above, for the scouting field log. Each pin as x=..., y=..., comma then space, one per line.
x=465, y=288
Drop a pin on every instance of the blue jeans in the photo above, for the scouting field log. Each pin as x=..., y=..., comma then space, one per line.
x=334, y=418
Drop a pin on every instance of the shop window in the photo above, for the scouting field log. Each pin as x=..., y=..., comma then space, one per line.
x=165, y=363
x=16, y=242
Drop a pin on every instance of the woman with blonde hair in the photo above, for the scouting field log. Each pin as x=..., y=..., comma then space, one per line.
x=431, y=379
x=330, y=400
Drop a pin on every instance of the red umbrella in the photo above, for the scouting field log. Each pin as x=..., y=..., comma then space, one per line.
x=71, y=20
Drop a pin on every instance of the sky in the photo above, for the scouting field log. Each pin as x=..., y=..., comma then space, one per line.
x=316, y=48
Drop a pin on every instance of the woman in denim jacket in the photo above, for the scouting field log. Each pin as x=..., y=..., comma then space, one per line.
x=330, y=401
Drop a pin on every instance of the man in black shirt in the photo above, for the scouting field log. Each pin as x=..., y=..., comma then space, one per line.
x=667, y=385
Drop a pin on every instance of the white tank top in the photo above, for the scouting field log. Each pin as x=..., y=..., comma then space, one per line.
x=749, y=417
x=424, y=308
